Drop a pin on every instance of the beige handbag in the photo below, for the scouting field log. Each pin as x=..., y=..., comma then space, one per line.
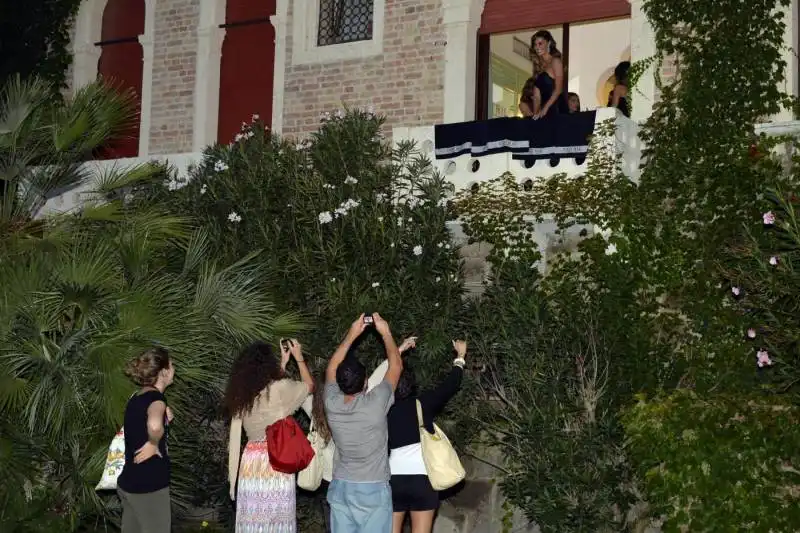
x=441, y=460
x=310, y=478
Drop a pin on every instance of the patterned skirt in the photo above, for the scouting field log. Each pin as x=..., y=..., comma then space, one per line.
x=265, y=500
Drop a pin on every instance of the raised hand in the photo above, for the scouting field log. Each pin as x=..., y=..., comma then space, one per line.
x=460, y=347
x=381, y=325
x=296, y=349
x=357, y=327
x=408, y=344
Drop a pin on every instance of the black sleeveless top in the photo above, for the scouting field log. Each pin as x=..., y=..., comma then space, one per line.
x=622, y=105
x=153, y=474
x=547, y=86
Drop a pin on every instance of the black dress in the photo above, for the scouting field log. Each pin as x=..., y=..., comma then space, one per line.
x=547, y=86
x=622, y=105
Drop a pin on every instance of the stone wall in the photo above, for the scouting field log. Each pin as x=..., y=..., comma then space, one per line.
x=405, y=83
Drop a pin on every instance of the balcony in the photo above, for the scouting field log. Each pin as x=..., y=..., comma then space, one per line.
x=464, y=171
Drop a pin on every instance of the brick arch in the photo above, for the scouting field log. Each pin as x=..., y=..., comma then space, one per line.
x=247, y=66
x=121, y=63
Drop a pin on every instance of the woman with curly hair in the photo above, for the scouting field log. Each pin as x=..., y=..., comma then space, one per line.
x=143, y=485
x=257, y=396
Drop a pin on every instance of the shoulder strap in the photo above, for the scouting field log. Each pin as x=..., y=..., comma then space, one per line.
x=419, y=415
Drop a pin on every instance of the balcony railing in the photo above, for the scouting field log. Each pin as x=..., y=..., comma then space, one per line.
x=465, y=170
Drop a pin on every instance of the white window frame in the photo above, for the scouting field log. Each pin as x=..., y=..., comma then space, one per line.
x=305, y=27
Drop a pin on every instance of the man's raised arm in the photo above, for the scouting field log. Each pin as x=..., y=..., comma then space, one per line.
x=355, y=331
x=392, y=352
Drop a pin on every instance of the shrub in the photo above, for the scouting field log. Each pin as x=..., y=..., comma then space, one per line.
x=719, y=463
x=341, y=224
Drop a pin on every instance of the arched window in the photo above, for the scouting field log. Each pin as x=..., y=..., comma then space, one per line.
x=247, y=65
x=121, y=63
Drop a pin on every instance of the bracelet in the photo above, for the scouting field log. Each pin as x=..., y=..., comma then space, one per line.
x=459, y=362
x=300, y=360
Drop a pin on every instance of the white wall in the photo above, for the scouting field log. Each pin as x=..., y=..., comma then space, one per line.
x=595, y=48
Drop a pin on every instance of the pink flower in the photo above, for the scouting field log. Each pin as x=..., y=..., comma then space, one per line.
x=751, y=333
x=769, y=218
x=763, y=358
x=736, y=291
x=773, y=260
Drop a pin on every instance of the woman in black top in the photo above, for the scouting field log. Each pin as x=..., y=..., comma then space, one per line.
x=411, y=490
x=143, y=485
x=618, y=97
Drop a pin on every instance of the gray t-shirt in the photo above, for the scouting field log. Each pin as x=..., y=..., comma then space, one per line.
x=360, y=432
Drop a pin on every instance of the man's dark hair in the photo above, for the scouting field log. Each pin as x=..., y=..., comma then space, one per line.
x=351, y=375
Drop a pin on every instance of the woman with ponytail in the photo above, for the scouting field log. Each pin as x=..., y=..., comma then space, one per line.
x=143, y=485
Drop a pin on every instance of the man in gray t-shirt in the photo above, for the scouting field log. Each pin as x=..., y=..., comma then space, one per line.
x=359, y=494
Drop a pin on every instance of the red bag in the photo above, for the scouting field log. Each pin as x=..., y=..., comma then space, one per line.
x=289, y=449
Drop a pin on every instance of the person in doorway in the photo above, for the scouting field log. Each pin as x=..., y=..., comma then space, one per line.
x=549, y=97
x=359, y=494
x=574, y=102
x=143, y=484
x=411, y=490
x=618, y=97
x=258, y=395
x=315, y=409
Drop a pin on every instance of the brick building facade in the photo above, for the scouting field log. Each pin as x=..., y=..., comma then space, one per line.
x=418, y=67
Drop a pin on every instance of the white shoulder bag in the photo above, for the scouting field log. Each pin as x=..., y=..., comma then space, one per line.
x=115, y=461
x=310, y=478
x=441, y=460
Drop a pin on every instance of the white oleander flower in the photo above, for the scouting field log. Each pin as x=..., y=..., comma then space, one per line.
x=255, y=117
x=417, y=250
x=221, y=166
x=350, y=180
x=203, y=189
x=325, y=217
x=234, y=217
x=238, y=137
x=375, y=284
x=611, y=249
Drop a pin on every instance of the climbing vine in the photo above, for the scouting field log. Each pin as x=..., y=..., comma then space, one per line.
x=641, y=302
x=35, y=39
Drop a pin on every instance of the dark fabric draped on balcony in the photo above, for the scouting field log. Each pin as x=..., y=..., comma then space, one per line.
x=558, y=136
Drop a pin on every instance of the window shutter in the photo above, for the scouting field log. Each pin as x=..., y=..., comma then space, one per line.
x=501, y=16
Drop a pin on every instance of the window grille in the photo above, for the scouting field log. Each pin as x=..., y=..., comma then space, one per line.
x=344, y=21
x=522, y=48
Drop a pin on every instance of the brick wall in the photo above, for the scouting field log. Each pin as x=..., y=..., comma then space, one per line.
x=174, y=67
x=405, y=83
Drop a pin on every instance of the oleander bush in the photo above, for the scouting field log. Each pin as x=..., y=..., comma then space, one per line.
x=340, y=224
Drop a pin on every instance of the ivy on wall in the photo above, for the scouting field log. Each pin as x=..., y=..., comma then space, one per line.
x=644, y=305
x=35, y=38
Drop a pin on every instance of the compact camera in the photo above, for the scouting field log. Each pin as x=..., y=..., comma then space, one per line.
x=368, y=320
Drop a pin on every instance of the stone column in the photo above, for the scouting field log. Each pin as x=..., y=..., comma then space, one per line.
x=206, y=89
x=461, y=18
x=643, y=46
x=791, y=84
x=146, y=40
x=280, y=22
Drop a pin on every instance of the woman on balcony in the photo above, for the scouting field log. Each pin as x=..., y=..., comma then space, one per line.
x=543, y=95
x=618, y=97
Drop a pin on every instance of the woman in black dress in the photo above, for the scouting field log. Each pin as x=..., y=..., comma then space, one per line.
x=548, y=97
x=618, y=97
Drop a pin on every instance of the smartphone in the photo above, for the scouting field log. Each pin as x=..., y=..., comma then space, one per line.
x=368, y=320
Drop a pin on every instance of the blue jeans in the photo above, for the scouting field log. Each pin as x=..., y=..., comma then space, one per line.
x=360, y=507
